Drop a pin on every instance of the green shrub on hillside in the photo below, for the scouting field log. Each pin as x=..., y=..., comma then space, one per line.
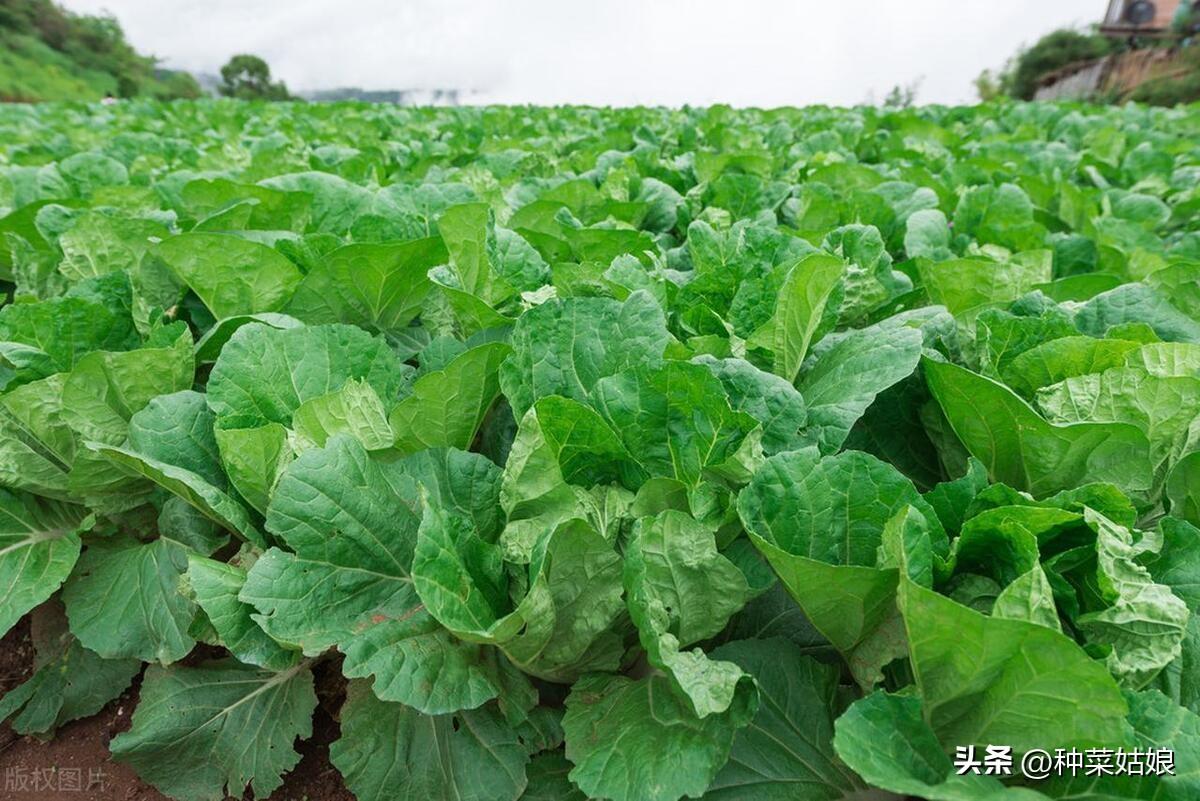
x=1053, y=51
x=49, y=53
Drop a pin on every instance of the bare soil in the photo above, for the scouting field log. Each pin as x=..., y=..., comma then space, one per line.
x=76, y=765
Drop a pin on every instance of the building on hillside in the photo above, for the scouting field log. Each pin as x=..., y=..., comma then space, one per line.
x=1140, y=17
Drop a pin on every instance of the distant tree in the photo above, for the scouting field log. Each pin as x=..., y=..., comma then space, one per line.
x=902, y=96
x=989, y=86
x=176, y=84
x=248, y=77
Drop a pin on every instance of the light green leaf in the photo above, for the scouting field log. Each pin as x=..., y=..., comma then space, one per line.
x=381, y=287
x=820, y=524
x=460, y=578
x=350, y=525
x=447, y=406
x=1167, y=359
x=254, y=458
x=52, y=335
x=37, y=448
x=1137, y=303
x=213, y=503
x=927, y=236
x=990, y=680
x=677, y=419
x=209, y=346
x=801, y=305
x=965, y=285
x=1164, y=409
x=887, y=742
x=680, y=590
x=560, y=447
x=105, y=389
x=846, y=377
x=1145, y=622
x=1021, y=449
x=39, y=543
x=178, y=429
x=418, y=663
x=1183, y=488
x=830, y=509
x=1063, y=358
x=353, y=410
x=766, y=397
x=230, y=274
x=564, y=347
x=1029, y=597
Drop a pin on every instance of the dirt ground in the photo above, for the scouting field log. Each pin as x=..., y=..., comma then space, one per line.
x=75, y=765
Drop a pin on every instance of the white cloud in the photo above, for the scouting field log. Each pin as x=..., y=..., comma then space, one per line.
x=749, y=52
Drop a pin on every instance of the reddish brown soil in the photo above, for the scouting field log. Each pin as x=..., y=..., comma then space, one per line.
x=75, y=765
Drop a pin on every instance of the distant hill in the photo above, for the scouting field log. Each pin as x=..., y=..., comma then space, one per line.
x=49, y=53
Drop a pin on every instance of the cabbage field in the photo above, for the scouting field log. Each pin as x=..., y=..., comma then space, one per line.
x=634, y=454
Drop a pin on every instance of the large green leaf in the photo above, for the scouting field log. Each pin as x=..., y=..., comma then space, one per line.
x=59, y=332
x=264, y=374
x=1164, y=409
x=216, y=586
x=230, y=274
x=123, y=600
x=965, y=285
x=771, y=400
x=105, y=389
x=680, y=590
x=847, y=376
x=801, y=305
x=992, y=680
x=203, y=733
x=213, y=503
x=786, y=752
x=636, y=739
x=1022, y=449
x=253, y=458
x=446, y=407
x=461, y=579
x=820, y=524
x=380, y=287
x=676, y=419
x=39, y=543
x=349, y=523
x=564, y=347
x=1183, y=488
x=887, y=742
x=178, y=429
x=1145, y=621
x=37, y=447
x=391, y=751
x=353, y=410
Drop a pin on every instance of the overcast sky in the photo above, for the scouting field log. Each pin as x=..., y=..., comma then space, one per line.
x=745, y=52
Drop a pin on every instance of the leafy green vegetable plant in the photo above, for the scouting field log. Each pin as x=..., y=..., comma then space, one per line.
x=608, y=454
